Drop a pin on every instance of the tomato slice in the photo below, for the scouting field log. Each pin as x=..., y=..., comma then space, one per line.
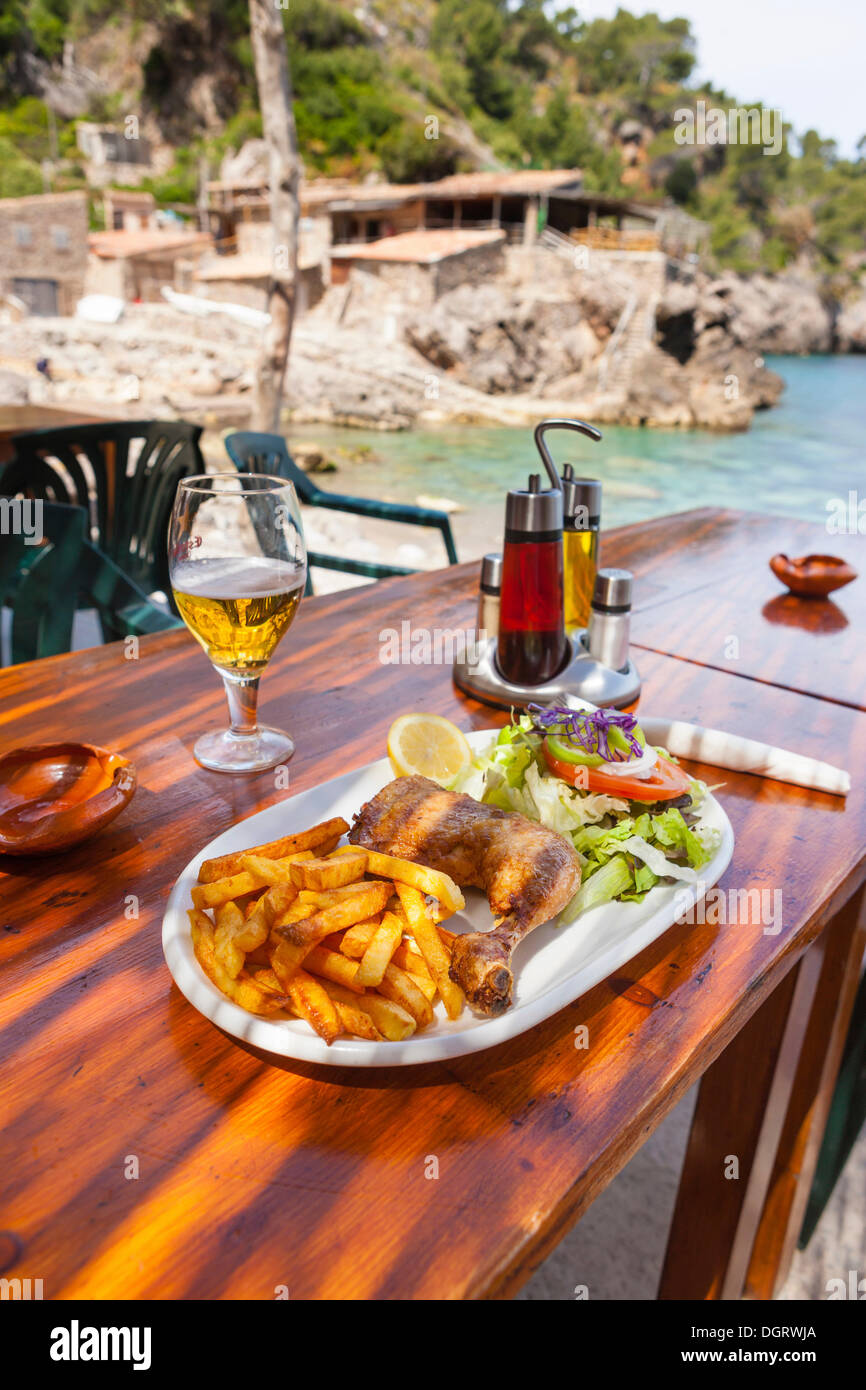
x=666, y=782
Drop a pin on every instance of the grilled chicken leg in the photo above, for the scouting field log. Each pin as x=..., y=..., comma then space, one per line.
x=528, y=873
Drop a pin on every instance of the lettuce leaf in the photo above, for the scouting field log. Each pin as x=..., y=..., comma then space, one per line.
x=611, y=881
x=655, y=860
x=624, y=850
x=671, y=832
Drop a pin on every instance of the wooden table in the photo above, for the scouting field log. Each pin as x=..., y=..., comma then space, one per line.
x=750, y=625
x=247, y=1174
x=20, y=419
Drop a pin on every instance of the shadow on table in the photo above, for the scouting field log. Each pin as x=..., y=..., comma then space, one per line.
x=816, y=615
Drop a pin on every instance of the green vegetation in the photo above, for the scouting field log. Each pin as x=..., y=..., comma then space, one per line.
x=534, y=85
x=19, y=176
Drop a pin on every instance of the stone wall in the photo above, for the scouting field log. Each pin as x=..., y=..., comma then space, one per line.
x=252, y=291
x=314, y=239
x=43, y=250
x=475, y=263
x=419, y=284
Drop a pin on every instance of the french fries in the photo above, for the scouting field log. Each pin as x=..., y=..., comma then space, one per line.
x=247, y=993
x=318, y=838
x=273, y=871
x=253, y=872
x=356, y=939
x=229, y=923
x=431, y=881
x=356, y=1022
x=393, y=1022
x=334, y=966
x=401, y=989
x=321, y=874
x=383, y=943
x=311, y=1000
x=345, y=938
x=298, y=937
x=429, y=943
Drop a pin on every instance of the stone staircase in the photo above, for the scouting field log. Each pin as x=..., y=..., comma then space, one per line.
x=636, y=327
x=643, y=283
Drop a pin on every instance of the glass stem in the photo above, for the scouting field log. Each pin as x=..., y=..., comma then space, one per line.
x=242, y=694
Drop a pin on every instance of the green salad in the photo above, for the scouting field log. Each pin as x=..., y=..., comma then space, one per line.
x=631, y=812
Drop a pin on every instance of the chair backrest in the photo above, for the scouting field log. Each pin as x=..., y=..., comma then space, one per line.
x=38, y=579
x=124, y=473
x=45, y=579
x=252, y=452
x=267, y=453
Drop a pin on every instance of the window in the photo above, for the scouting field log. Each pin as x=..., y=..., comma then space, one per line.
x=23, y=234
x=60, y=238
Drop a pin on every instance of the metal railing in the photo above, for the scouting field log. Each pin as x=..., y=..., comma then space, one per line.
x=617, y=238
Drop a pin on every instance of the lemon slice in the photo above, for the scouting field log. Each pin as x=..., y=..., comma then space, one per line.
x=428, y=745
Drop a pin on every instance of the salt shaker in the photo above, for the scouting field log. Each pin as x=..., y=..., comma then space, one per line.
x=607, y=635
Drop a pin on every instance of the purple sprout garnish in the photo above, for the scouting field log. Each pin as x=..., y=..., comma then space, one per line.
x=588, y=729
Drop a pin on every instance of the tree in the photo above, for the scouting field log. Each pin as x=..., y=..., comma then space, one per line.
x=278, y=127
x=682, y=181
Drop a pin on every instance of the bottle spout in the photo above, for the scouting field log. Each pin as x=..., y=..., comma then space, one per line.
x=540, y=443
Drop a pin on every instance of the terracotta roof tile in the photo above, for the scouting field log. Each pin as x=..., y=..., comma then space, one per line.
x=143, y=242
x=421, y=247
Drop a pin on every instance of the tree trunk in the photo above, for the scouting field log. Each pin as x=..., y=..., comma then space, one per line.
x=278, y=122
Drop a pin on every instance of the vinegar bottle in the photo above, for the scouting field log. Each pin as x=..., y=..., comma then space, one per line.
x=532, y=645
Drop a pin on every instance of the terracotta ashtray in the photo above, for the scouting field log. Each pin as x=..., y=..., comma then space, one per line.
x=57, y=794
x=812, y=576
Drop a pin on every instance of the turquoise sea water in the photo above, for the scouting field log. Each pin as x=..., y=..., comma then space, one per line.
x=794, y=458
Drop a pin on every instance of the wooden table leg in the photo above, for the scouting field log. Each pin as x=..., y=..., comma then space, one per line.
x=761, y=1111
x=806, y=1120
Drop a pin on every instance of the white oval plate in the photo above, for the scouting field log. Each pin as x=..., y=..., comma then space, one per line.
x=553, y=966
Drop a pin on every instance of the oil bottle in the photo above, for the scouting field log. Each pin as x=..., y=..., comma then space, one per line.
x=581, y=520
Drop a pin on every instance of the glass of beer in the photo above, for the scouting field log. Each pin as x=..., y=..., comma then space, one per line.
x=238, y=565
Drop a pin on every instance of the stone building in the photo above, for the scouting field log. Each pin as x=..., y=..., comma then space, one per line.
x=43, y=250
x=126, y=211
x=134, y=266
x=246, y=278
x=112, y=155
x=423, y=265
x=519, y=202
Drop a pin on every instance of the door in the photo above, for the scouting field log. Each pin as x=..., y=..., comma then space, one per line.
x=40, y=296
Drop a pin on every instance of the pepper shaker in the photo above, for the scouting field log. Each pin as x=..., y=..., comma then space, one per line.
x=489, y=595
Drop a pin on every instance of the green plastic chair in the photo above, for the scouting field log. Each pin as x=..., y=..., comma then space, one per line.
x=267, y=453
x=124, y=473
x=45, y=584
